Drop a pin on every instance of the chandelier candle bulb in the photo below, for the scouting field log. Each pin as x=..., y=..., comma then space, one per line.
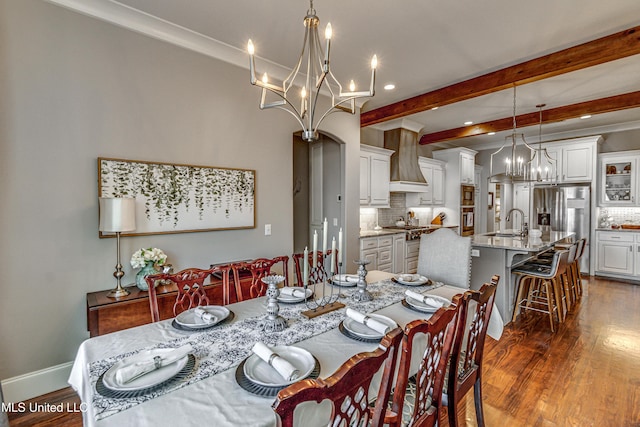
x=352, y=86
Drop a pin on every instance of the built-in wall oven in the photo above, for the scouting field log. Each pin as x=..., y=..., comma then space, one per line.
x=466, y=221
x=467, y=195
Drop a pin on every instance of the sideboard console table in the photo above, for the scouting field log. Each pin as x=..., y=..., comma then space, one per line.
x=105, y=315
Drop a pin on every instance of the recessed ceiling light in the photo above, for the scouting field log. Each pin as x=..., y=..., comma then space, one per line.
x=491, y=133
x=468, y=123
x=389, y=86
x=586, y=116
x=434, y=108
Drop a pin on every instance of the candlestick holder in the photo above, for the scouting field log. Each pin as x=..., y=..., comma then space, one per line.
x=362, y=294
x=322, y=303
x=273, y=322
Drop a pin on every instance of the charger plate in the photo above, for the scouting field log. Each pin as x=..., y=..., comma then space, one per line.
x=266, y=391
x=180, y=327
x=353, y=336
x=126, y=394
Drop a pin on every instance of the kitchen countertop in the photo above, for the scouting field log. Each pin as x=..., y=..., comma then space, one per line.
x=387, y=231
x=528, y=244
x=618, y=229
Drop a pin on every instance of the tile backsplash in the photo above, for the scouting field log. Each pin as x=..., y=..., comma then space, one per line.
x=622, y=215
x=385, y=217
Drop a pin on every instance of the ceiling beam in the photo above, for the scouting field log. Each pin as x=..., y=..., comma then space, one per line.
x=552, y=115
x=615, y=46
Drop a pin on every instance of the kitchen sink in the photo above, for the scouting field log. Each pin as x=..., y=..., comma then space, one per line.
x=503, y=234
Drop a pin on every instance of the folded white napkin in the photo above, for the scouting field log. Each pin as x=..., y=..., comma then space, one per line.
x=351, y=278
x=205, y=315
x=408, y=277
x=298, y=293
x=277, y=362
x=130, y=372
x=370, y=322
x=424, y=298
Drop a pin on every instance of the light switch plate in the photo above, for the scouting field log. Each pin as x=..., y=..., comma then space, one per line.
x=475, y=252
x=267, y=229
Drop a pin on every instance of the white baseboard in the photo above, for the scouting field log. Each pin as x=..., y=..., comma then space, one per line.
x=32, y=384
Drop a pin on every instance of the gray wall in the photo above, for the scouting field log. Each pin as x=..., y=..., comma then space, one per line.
x=73, y=89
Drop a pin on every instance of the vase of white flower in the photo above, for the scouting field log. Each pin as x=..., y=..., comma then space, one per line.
x=147, y=260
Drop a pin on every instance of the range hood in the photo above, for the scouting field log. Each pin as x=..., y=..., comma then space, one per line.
x=406, y=176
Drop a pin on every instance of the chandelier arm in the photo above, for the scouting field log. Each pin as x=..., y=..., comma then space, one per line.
x=283, y=104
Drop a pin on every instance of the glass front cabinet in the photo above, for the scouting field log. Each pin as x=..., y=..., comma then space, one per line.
x=619, y=179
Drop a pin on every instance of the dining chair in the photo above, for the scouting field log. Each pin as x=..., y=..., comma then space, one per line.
x=259, y=268
x=191, y=288
x=316, y=275
x=465, y=370
x=445, y=257
x=417, y=400
x=347, y=389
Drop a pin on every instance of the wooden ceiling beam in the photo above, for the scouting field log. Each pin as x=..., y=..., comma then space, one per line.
x=552, y=115
x=615, y=46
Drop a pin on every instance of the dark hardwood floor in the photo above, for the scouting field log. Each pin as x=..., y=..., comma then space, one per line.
x=586, y=374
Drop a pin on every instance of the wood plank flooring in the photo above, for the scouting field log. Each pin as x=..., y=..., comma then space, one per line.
x=586, y=374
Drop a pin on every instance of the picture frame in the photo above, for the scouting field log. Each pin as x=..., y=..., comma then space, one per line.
x=179, y=198
x=490, y=200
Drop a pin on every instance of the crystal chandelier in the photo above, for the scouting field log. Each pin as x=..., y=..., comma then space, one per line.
x=318, y=72
x=522, y=162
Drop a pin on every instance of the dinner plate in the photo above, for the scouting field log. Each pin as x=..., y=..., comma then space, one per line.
x=364, y=331
x=291, y=299
x=345, y=280
x=151, y=379
x=417, y=280
x=191, y=320
x=260, y=372
x=419, y=305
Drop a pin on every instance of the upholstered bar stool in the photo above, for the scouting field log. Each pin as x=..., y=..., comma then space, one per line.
x=540, y=288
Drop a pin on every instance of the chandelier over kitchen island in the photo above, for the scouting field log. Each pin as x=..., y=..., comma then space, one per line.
x=318, y=75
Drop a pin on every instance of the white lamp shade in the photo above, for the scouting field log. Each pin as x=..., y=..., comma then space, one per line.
x=117, y=214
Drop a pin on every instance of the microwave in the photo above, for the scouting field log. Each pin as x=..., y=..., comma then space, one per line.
x=467, y=194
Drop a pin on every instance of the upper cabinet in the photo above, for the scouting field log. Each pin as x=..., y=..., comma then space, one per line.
x=460, y=165
x=375, y=165
x=575, y=160
x=619, y=178
x=433, y=172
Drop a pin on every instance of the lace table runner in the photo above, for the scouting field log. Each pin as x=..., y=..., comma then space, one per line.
x=224, y=347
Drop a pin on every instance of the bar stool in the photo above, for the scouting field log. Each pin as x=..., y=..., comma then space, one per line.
x=540, y=288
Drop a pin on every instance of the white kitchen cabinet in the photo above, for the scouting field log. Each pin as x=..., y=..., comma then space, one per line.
x=617, y=253
x=433, y=172
x=637, y=256
x=398, y=253
x=619, y=178
x=467, y=167
x=575, y=159
x=378, y=251
x=375, y=165
x=412, y=248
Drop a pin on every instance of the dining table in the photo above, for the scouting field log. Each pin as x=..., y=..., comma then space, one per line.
x=211, y=392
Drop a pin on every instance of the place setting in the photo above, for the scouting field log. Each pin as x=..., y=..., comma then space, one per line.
x=411, y=280
x=294, y=294
x=146, y=372
x=270, y=369
x=344, y=280
x=202, y=318
x=424, y=303
x=365, y=327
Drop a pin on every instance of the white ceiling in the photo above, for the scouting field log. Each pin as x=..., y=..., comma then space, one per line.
x=424, y=45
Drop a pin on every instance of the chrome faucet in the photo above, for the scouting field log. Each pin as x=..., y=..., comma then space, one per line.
x=523, y=227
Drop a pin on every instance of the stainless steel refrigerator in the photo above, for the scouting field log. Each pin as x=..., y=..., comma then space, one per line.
x=565, y=208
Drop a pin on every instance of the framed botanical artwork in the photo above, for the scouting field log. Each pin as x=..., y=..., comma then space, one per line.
x=174, y=198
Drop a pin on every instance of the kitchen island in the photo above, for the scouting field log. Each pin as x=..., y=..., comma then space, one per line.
x=499, y=253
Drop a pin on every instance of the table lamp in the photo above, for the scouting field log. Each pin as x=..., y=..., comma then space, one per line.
x=117, y=214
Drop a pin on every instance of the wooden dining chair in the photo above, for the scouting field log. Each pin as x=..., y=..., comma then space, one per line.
x=422, y=407
x=465, y=370
x=258, y=268
x=191, y=288
x=316, y=275
x=347, y=389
